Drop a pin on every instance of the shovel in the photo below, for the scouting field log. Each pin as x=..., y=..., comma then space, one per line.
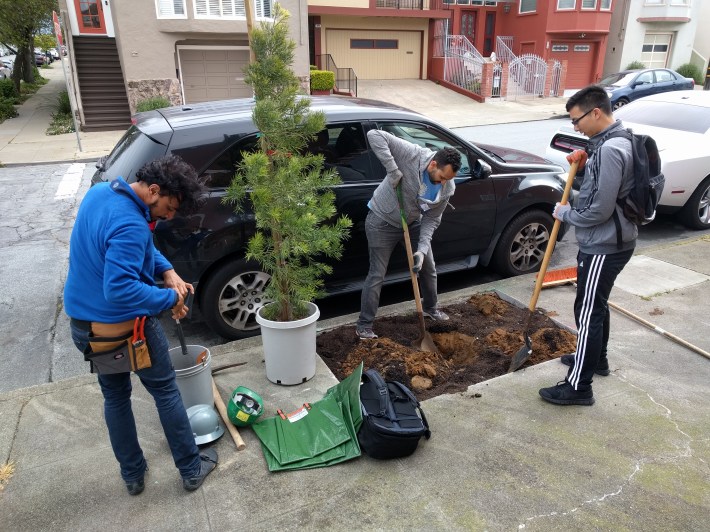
x=181, y=334
x=425, y=342
x=524, y=352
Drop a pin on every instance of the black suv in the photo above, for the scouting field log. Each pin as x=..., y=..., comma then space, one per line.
x=500, y=213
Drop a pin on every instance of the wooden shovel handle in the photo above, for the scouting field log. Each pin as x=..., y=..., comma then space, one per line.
x=553, y=238
x=222, y=409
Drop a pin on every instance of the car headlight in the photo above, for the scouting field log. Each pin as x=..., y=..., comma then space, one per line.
x=609, y=93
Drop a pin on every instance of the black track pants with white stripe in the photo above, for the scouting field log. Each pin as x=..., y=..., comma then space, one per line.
x=595, y=279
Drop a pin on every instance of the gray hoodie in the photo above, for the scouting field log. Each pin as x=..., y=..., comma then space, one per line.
x=410, y=159
x=608, y=175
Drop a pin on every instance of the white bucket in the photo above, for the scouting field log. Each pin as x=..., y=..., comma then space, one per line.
x=290, y=347
x=193, y=380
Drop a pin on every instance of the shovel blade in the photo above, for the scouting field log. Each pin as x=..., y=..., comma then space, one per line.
x=425, y=343
x=521, y=356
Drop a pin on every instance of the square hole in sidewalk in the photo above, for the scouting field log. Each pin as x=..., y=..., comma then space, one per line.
x=475, y=344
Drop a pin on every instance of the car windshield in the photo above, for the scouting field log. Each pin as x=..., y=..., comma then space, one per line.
x=618, y=80
x=670, y=115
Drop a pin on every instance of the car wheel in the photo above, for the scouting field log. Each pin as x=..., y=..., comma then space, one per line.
x=522, y=244
x=620, y=103
x=696, y=212
x=231, y=298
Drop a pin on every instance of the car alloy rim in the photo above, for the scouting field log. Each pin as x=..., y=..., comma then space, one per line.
x=704, y=207
x=528, y=247
x=618, y=104
x=241, y=298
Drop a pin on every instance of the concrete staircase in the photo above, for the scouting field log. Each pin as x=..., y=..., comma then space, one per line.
x=101, y=84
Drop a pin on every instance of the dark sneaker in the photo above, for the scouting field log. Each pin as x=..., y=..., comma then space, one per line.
x=568, y=360
x=208, y=462
x=436, y=315
x=365, y=333
x=565, y=394
x=135, y=487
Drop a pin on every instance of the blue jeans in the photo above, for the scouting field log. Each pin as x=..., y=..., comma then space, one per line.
x=160, y=382
x=381, y=241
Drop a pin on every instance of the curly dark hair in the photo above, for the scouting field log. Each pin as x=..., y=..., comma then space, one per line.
x=176, y=179
x=590, y=97
x=446, y=156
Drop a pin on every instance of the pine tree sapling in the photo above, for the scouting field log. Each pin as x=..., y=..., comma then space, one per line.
x=291, y=195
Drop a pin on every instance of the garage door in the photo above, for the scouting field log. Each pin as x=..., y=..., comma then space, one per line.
x=213, y=74
x=580, y=62
x=377, y=54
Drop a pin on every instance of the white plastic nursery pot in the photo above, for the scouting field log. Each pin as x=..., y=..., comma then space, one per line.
x=193, y=380
x=290, y=347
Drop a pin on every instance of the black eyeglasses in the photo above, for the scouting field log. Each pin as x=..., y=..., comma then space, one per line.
x=575, y=121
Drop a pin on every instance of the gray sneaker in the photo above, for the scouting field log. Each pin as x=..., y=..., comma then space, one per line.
x=436, y=315
x=365, y=333
x=208, y=461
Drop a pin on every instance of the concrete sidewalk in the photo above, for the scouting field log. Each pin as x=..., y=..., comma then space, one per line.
x=499, y=458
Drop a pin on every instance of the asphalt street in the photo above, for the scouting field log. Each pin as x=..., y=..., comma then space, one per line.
x=39, y=205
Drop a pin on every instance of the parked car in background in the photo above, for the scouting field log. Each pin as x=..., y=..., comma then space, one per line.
x=54, y=53
x=679, y=122
x=40, y=59
x=500, y=215
x=629, y=85
x=5, y=72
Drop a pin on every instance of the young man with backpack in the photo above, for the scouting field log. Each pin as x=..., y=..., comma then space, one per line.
x=606, y=238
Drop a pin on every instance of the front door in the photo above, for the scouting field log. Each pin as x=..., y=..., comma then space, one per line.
x=90, y=16
x=489, y=33
x=468, y=25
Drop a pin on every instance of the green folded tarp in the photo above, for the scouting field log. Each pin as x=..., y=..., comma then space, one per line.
x=317, y=434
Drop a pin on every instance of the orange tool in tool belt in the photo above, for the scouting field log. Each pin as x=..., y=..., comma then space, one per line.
x=139, y=332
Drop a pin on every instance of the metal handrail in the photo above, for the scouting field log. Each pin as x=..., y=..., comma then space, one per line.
x=503, y=51
x=345, y=78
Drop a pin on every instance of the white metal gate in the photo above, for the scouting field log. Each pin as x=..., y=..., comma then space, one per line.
x=556, y=78
x=526, y=76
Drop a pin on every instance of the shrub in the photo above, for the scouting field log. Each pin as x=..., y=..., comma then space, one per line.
x=314, y=67
x=322, y=80
x=63, y=104
x=689, y=70
x=635, y=65
x=7, y=110
x=8, y=90
x=149, y=104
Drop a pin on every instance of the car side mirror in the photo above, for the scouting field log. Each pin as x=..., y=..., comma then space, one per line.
x=485, y=170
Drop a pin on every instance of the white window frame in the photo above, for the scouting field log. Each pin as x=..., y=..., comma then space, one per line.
x=593, y=8
x=685, y=3
x=569, y=8
x=608, y=5
x=170, y=3
x=655, y=2
x=533, y=10
x=221, y=6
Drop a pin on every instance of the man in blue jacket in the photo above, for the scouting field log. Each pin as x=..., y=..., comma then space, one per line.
x=427, y=181
x=604, y=248
x=111, y=281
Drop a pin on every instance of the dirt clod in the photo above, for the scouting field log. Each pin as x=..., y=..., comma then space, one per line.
x=475, y=345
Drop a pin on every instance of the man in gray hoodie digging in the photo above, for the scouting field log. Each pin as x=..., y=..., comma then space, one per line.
x=603, y=252
x=427, y=184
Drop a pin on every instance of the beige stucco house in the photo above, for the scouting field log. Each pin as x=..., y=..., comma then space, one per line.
x=123, y=51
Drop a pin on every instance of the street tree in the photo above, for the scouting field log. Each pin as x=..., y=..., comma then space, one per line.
x=20, y=20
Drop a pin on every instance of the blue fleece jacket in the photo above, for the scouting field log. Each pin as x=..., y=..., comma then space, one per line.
x=112, y=259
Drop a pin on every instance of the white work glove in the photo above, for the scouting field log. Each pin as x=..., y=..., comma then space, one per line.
x=394, y=177
x=417, y=261
x=560, y=210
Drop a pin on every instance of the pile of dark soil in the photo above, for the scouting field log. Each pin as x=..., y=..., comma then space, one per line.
x=476, y=344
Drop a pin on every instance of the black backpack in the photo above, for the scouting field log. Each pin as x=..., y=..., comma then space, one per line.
x=640, y=204
x=391, y=427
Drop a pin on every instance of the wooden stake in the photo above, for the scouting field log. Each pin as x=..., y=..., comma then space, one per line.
x=222, y=409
